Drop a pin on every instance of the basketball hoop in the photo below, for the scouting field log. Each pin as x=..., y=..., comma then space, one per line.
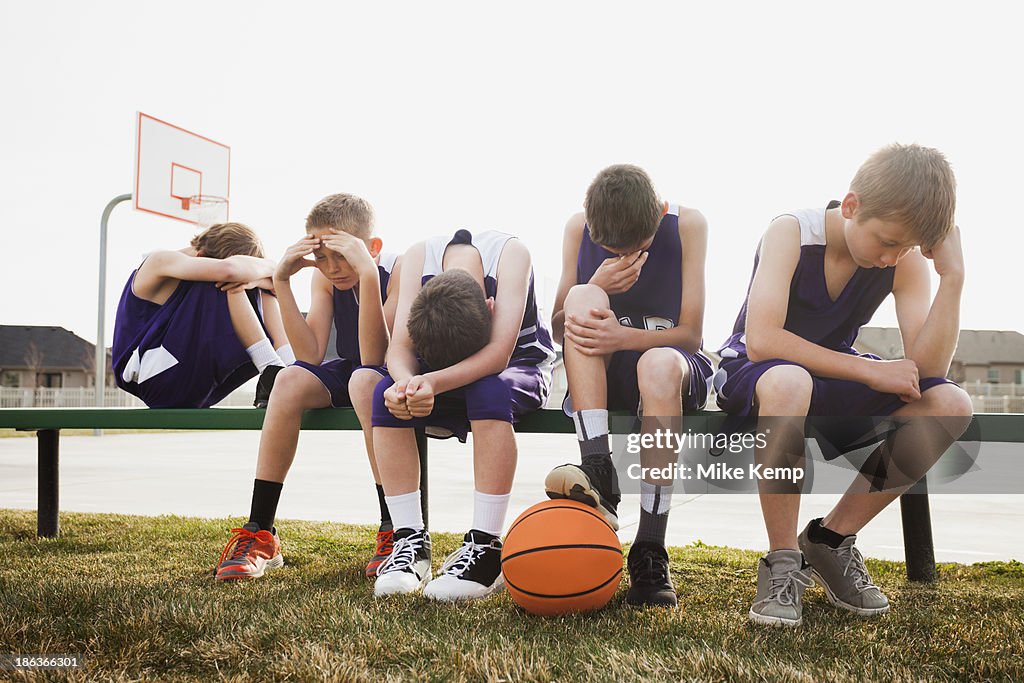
x=206, y=209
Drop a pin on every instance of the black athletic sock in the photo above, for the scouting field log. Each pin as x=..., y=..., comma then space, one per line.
x=385, y=514
x=265, y=495
x=819, y=533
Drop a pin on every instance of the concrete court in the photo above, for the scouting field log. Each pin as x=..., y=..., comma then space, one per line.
x=209, y=474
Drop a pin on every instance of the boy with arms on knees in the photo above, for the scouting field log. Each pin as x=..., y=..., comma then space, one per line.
x=629, y=312
x=351, y=288
x=195, y=324
x=470, y=352
x=819, y=275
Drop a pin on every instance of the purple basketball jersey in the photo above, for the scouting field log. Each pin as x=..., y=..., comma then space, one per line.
x=346, y=311
x=183, y=353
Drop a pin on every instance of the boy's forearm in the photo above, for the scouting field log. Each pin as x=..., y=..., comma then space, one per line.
x=678, y=337
x=489, y=360
x=820, y=361
x=936, y=342
x=300, y=336
x=373, y=330
x=401, y=362
x=250, y=268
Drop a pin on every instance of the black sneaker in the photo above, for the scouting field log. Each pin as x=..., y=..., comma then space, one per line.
x=649, y=580
x=407, y=569
x=265, y=385
x=471, y=572
x=593, y=483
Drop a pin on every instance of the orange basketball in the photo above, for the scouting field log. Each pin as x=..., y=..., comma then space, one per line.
x=559, y=557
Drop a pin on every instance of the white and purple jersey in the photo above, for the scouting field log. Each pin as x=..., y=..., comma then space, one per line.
x=814, y=315
x=534, y=345
x=652, y=303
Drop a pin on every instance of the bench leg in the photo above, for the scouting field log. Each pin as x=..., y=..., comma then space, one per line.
x=421, y=446
x=48, y=508
x=917, y=533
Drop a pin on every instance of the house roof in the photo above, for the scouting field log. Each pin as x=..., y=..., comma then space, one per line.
x=974, y=347
x=57, y=348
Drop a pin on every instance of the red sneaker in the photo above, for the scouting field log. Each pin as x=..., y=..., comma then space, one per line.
x=384, y=543
x=249, y=553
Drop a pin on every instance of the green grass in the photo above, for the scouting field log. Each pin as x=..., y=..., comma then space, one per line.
x=135, y=596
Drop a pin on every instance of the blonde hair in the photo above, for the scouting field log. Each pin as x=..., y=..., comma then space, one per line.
x=228, y=239
x=911, y=185
x=343, y=212
x=622, y=208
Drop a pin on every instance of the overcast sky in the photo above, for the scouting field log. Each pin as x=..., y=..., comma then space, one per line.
x=459, y=114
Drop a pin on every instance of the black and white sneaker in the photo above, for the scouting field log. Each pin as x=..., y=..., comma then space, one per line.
x=470, y=573
x=649, y=580
x=594, y=482
x=407, y=569
x=266, y=385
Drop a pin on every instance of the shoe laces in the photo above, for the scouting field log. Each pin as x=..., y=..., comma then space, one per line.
x=464, y=556
x=782, y=588
x=855, y=567
x=403, y=554
x=243, y=541
x=385, y=542
x=650, y=568
x=601, y=471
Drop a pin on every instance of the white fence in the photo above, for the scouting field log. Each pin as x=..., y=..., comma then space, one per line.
x=81, y=397
x=978, y=388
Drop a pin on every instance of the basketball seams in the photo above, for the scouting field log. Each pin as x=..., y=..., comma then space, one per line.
x=570, y=546
x=615, y=576
x=581, y=508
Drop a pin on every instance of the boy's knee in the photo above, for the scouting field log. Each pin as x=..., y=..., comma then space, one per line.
x=948, y=400
x=584, y=297
x=660, y=373
x=785, y=387
x=362, y=384
x=292, y=388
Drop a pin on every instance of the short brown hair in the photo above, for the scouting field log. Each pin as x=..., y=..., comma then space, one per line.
x=449, y=320
x=911, y=185
x=228, y=239
x=622, y=208
x=344, y=212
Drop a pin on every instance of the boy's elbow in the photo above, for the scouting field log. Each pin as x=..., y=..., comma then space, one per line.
x=756, y=348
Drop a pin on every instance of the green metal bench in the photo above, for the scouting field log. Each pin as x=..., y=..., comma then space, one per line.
x=47, y=423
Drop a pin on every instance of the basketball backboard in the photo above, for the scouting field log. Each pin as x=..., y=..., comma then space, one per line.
x=172, y=165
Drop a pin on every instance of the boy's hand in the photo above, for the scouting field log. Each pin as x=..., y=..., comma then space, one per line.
x=618, y=274
x=898, y=377
x=419, y=396
x=395, y=401
x=948, y=256
x=598, y=334
x=294, y=258
x=353, y=250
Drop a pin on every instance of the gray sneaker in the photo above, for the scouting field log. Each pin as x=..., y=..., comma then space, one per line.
x=782, y=577
x=841, y=572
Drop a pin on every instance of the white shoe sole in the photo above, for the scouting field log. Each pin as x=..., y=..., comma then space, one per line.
x=379, y=592
x=782, y=622
x=496, y=587
x=569, y=481
x=859, y=611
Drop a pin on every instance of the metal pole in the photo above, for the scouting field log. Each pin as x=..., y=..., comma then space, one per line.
x=48, y=502
x=101, y=347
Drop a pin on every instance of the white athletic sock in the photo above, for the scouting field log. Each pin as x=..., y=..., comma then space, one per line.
x=406, y=512
x=652, y=494
x=263, y=354
x=489, y=512
x=590, y=424
x=286, y=354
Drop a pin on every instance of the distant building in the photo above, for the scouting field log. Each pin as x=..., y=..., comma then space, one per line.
x=33, y=356
x=991, y=356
